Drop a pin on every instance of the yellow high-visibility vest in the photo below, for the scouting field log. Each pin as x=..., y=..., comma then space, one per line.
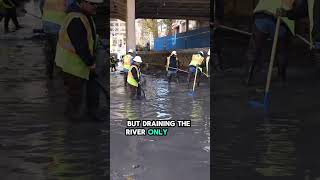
x=271, y=6
x=127, y=61
x=130, y=78
x=196, y=60
x=66, y=57
x=54, y=11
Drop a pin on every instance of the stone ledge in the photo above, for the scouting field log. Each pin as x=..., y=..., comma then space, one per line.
x=155, y=58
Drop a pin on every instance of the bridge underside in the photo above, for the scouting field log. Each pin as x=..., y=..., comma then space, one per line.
x=163, y=9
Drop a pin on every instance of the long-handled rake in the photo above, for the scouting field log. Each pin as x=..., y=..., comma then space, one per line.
x=266, y=100
x=178, y=69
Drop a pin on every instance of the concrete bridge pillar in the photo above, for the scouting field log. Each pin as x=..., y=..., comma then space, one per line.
x=131, y=29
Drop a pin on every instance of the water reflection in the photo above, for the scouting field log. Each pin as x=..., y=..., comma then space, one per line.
x=278, y=156
x=175, y=156
x=163, y=101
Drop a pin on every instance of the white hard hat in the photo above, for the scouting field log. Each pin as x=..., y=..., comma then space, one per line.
x=174, y=53
x=130, y=51
x=209, y=52
x=137, y=59
x=200, y=52
x=95, y=1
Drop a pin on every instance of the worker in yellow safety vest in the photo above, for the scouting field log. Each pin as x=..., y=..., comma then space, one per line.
x=195, y=66
x=134, y=76
x=265, y=15
x=10, y=12
x=53, y=14
x=75, y=56
x=127, y=60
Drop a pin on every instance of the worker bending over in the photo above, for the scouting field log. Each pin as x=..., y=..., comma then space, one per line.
x=195, y=66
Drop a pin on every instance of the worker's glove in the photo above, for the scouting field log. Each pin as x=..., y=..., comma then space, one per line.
x=281, y=12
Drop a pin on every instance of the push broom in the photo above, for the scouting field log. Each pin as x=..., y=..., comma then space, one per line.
x=266, y=100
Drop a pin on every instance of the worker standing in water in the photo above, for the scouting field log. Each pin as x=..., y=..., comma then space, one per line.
x=172, y=66
x=127, y=60
x=195, y=67
x=10, y=8
x=265, y=15
x=134, y=76
x=75, y=55
x=113, y=64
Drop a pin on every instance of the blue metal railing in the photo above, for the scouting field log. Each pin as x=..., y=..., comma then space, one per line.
x=193, y=39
